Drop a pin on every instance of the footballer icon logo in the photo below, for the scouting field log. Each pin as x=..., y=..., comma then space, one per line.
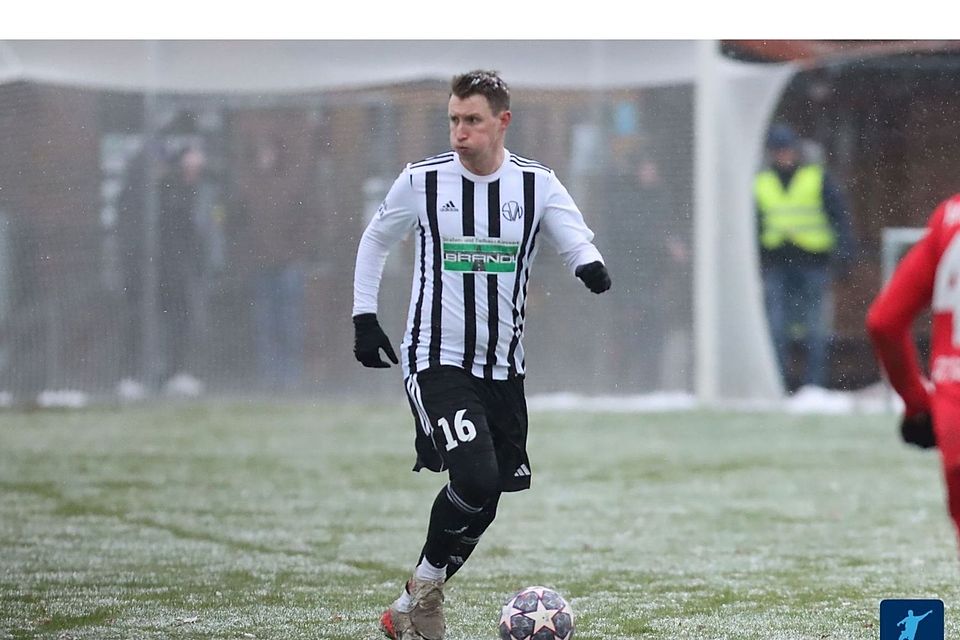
x=911, y=620
x=512, y=211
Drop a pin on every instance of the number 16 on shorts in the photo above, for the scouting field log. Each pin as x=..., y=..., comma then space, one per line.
x=462, y=430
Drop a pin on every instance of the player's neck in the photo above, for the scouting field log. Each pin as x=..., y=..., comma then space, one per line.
x=486, y=165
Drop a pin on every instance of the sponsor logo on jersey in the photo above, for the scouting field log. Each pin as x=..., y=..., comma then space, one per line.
x=946, y=369
x=448, y=207
x=951, y=216
x=476, y=255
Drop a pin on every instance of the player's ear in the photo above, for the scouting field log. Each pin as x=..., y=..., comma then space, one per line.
x=505, y=117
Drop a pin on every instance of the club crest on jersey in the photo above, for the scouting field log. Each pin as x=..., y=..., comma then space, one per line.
x=512, y=211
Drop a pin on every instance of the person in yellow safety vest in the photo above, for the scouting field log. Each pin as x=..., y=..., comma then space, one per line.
x=805, y=237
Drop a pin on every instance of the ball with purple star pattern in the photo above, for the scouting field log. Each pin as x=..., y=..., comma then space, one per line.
x=536, y=613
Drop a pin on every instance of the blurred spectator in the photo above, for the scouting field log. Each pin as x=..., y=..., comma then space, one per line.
x=23, y=330
x=181, y=264
x=130, y=223
x=273, y=204
x=648, y=236
x=805, y=238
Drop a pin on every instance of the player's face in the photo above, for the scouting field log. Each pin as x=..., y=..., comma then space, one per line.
x=476, y=133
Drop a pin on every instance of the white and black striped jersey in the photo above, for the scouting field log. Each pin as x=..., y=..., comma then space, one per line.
x=476, y=237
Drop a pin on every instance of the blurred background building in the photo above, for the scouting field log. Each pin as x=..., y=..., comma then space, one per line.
x=884, y=119
x=289, y=178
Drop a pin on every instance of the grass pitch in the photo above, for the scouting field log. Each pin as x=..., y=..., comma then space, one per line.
x=279, y=521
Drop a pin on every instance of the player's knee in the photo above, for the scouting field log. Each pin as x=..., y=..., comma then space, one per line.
x=485, y=519
x=480, y=488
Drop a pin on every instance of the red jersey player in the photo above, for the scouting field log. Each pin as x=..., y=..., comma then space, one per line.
x=929, y=275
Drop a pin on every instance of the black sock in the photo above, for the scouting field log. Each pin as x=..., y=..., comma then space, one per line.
x=450, y=518
x=468, y=541
x=464, y=548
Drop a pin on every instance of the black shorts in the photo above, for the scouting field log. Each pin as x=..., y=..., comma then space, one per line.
x=460, y=418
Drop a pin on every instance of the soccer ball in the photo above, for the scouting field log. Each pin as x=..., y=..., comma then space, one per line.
x=536, y=613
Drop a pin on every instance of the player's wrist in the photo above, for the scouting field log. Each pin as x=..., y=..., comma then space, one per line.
x=363, y=321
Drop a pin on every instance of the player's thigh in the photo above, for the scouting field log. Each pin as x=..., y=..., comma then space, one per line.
x=507, y=414
x=457, y=421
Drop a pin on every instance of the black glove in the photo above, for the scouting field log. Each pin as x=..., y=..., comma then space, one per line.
x=918, y=430
x=595, y=276
x=369, y=338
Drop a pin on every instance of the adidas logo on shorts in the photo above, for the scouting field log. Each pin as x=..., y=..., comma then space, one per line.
x=522, y=470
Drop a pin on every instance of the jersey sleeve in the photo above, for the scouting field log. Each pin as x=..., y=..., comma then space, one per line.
x=394, y=219
x=892, y=313
x=566, y=229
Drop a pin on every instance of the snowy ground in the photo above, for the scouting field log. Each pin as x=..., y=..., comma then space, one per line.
x=807, y=400
x=281, y=521
x=877, y=399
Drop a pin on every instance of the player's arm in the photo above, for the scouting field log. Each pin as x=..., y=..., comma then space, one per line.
x=392, y=222
x=892, y=314
x=567, y=231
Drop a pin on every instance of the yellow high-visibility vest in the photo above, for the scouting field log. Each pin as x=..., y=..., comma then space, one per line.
x=794, y=215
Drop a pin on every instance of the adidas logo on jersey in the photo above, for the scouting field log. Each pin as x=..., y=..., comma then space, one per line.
x=522, y=470
x=448, y=207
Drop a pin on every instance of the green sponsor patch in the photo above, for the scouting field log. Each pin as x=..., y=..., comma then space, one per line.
x=479, y=256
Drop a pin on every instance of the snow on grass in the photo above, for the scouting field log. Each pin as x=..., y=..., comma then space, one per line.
x=302, y=521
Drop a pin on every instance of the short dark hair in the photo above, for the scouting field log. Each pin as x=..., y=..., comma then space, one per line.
x=486, y=83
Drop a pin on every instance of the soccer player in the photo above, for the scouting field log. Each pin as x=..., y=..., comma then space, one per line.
x=477, y=213
x=927, y=276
